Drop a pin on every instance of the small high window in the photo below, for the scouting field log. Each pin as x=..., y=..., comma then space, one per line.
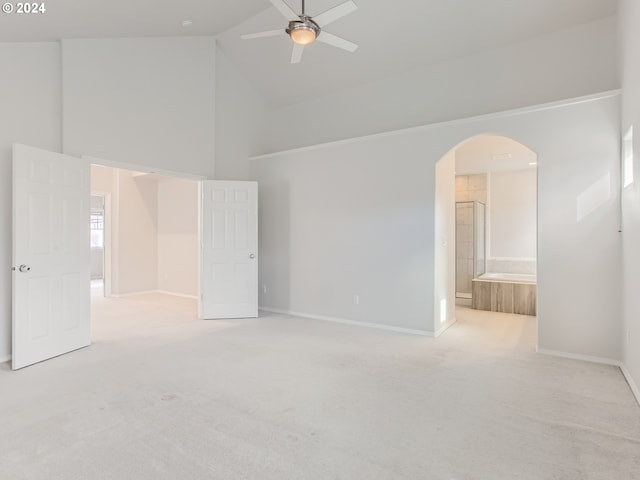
x=97, y=230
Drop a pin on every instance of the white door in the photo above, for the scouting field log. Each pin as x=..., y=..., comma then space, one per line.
x=229, y=250
x=51, y=313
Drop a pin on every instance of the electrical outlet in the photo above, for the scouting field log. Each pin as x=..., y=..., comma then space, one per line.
x=356, y=299
x=264, y=288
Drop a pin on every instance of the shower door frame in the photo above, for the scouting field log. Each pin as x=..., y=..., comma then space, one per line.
x=474, y=206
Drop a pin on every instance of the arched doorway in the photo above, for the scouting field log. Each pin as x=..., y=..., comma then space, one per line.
x=486, y=228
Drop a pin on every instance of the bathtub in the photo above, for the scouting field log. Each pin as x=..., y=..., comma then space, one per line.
x=508, y=277
x=504, y=292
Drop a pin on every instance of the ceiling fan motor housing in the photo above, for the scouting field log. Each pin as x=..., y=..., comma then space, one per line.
x=304, y=30
x=305, y=24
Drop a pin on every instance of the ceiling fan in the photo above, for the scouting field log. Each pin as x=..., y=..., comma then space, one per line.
x=304, y=30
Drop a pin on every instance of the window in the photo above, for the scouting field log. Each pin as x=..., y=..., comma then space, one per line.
x=627, y=158
x=97, y=230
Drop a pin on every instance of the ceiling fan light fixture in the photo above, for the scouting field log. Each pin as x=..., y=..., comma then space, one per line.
x=303, y=32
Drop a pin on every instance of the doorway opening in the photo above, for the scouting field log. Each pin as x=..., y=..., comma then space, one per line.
x=52, y=305
x=488, y=207
x=144, y=236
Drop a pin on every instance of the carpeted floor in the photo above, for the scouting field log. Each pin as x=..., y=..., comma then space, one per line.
x=162, y=395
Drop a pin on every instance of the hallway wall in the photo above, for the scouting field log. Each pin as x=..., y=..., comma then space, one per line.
x=178, y=239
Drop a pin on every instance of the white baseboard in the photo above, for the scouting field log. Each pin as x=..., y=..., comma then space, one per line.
x=344, y=321
x=133, y=294
x=5, y=359
x=577, y=356
x=163, y=292
x=605, y=361
x=174, y=294
x=445, y=326
x=632, y=384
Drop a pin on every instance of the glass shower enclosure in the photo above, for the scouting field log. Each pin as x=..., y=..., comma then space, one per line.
x=471, y=258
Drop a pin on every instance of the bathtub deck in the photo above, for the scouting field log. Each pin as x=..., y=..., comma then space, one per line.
x=504, y=296
x=509, y=277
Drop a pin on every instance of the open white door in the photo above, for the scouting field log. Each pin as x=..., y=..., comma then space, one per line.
x=229, y=250
x=51, y=313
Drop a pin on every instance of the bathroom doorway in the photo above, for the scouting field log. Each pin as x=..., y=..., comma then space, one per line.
x=486, y=203
x=496, y=225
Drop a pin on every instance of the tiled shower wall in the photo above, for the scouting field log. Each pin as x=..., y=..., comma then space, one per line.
x=471, y=187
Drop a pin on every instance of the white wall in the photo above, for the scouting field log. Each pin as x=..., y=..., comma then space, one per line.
x=177, y=231
x=240, y=115
x=629, y=14
x=136, y=213
x=358, y=218
x=345, y=221
x=146, y=101
x=512, y=213
x=29, y=114
x=561, y=65
x=103, y=179
x=445, y=242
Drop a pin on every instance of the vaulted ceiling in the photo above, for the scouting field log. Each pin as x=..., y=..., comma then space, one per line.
x=393, y=36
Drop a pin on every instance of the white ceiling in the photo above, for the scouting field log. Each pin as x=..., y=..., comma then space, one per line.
x=126, y=18
x=394, y=36
x=493, y=153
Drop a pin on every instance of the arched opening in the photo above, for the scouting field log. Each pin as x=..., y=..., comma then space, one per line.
x=486, y=231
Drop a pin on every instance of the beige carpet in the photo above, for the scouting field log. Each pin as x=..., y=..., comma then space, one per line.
x=161, y=395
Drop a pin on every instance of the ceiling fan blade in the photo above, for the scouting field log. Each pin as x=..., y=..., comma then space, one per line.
x=336, y=41
x=335, y=13
x=270, y=33
x=285, y=10
x=296, y=55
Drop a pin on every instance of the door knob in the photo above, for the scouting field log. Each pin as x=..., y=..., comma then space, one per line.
x=252, y=255
x=24, y=268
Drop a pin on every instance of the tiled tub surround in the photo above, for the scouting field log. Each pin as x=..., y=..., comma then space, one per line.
x=471, y=188
x=505, y=292
x=512, y=265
